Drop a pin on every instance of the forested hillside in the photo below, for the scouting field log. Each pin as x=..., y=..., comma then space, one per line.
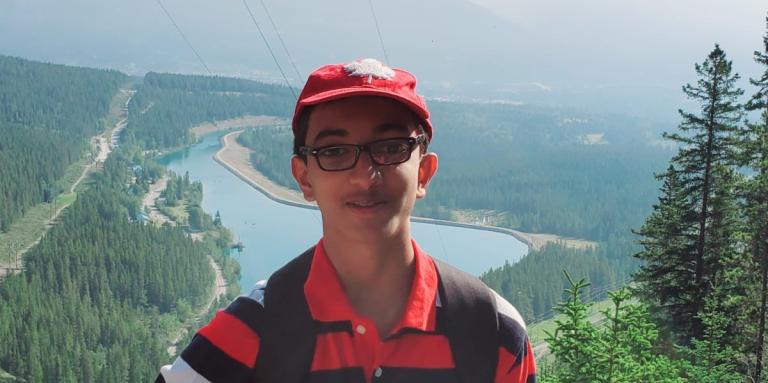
x=47, y=113
x=98, y=293
x=697, y=312
x=535, y=284
x=166, y=106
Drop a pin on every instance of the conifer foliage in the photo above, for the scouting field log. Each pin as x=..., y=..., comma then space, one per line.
x=89, y=304
x=755, y=156
x=704, y=277
x=707, y=141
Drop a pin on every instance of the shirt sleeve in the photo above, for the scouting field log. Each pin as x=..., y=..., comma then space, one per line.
x=225, y=350
x=516, y=362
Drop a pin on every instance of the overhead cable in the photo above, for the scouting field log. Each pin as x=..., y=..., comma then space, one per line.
x=253, y=18
x=280, y=38
x=184, y=37
x=378, y=31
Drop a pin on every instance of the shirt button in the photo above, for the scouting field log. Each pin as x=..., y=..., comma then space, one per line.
x=377, y=373
x=360, y=329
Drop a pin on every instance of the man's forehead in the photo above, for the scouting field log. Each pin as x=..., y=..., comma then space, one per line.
x=365, y=114
x=332, y=131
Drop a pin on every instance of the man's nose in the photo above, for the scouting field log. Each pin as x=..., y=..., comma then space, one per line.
x=365, y=173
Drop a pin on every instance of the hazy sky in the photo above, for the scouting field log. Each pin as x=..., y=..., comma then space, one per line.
x=630, y=56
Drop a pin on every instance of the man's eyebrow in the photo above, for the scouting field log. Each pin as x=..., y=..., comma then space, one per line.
x=331, y=133
x=390, y=127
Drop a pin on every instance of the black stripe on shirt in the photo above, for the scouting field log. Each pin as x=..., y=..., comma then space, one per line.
x=331, y=327
x=213, y=364
x=413, y=375
x=346, y=375
x=513, y=338
x=247, y=311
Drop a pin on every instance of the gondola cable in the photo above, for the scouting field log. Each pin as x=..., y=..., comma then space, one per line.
x=184, y=37
x=264, y=38
x=282, y=43
x=378, y=31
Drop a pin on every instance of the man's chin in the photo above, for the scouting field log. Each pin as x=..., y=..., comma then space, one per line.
x=372, y=229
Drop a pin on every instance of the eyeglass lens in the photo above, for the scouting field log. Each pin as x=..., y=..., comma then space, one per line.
x=386, y=152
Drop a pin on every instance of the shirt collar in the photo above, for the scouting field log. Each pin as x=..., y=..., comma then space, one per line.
x=328, y=302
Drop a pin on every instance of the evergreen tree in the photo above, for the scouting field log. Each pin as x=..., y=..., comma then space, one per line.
x=619, y=351
x=755, y=156
x=666, y=279
x=708, y=361
x=708, y=140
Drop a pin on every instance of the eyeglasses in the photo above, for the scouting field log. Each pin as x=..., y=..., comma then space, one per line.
x=390, y=151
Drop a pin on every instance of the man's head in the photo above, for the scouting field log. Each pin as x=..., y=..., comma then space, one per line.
x=367, y=77
x=360, y=136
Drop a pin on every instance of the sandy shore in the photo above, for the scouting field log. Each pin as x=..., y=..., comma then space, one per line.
x=236, y=158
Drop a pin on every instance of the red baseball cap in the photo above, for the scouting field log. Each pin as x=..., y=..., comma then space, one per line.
x=366, y=77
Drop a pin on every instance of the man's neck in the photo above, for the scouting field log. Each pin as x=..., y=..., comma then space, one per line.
x=376, y=275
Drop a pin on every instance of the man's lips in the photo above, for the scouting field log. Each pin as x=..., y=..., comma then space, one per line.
x=365, y=204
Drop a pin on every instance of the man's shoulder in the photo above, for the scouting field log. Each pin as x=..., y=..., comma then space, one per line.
x=257, y=292
x=507, y=311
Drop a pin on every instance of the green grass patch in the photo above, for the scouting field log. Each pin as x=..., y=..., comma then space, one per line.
x=6, y=377
x=176, y=213
x=27, y=229
x=116, y=108
x=537, y=332
x=66, y=199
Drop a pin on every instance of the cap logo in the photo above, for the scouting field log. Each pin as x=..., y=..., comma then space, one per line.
x=369, y=68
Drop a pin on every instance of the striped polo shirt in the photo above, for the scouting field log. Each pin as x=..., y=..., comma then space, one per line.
x=349, y=348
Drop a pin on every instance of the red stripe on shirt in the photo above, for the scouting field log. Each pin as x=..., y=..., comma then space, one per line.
x=419, y=351
x=333, y=351
x=233, y=337
x=508, y=371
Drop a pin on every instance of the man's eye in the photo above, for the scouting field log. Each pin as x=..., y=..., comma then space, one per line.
x=391, y=147
x=337, y=151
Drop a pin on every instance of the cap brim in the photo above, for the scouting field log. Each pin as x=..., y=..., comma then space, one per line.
x=338, y=94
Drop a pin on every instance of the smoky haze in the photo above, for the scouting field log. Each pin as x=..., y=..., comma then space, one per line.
x=603, y=55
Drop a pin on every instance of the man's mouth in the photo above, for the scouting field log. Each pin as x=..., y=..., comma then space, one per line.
x=364, y=204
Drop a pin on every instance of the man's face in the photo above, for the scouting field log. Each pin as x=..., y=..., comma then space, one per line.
x=368, y=201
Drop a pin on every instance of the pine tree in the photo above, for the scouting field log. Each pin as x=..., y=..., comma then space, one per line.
x=666, y=279
x=708, y=141
x=621, y=351
x=755, y=156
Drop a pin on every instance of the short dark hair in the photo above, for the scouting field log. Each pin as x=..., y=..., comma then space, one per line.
x=302, y=127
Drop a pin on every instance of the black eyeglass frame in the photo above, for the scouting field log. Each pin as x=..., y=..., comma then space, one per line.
x=412, y=143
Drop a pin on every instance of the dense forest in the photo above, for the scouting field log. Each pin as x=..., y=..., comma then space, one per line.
x=166, y=106
x=107, y=282
x=701, y=294
x=534, y=284
x=47, y=114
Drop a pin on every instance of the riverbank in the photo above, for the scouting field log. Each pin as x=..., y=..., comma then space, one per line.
x=220, y=285
x=236, y=158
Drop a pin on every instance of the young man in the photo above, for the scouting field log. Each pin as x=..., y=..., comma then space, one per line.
x=366, y=304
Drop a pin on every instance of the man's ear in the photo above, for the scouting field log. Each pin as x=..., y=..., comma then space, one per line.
x=427, y=169
x=299, y=171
